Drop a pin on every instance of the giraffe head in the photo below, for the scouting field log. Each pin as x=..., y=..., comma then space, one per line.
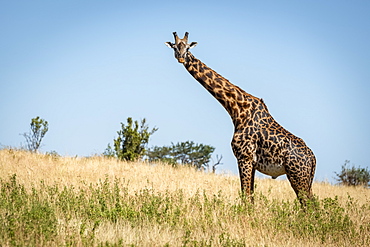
x=181, y=47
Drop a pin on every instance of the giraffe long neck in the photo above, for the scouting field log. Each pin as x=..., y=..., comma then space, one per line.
x=232, y=98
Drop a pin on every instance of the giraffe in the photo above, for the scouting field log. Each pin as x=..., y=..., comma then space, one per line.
x=259, y=142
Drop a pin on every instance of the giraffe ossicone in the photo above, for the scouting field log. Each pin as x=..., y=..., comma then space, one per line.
x=259, y=142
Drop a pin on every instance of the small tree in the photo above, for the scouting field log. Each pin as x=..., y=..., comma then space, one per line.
x=131, y=141
x=184, y=153
x=352, y=176
x=39, y=127
x=197, y=155
x=163, y=154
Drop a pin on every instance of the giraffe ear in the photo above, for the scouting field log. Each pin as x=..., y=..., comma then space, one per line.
x=192, y=44
x=169, y=44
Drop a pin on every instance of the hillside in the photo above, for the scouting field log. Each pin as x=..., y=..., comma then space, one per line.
x=54, y=201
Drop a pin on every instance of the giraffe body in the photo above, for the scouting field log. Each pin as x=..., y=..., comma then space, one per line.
x=259, y=142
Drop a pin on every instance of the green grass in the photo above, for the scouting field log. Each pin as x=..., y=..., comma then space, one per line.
x=54, y=215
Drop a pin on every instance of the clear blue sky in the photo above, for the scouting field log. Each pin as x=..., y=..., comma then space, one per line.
x=85, y=66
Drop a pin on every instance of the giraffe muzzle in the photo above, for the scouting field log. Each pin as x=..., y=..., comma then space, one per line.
x=181, y=60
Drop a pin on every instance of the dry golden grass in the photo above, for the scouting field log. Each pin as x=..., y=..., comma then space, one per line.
x=160, y=179
x=80, y=172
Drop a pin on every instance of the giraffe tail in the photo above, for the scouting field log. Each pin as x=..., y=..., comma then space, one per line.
x=312, y=161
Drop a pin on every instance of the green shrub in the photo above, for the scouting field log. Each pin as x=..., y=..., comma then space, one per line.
x=352, y=176
x=39, y=127
x=28, y=218
x=131, y=141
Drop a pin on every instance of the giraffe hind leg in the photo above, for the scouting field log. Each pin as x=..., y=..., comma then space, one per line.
x=301, y=182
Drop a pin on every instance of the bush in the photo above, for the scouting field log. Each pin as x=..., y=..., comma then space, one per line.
x=131, y=141
x=39, y=127
x=352, y=176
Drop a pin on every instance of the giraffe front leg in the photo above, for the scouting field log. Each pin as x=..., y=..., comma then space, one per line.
x=246, y=173
x=245, y=152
